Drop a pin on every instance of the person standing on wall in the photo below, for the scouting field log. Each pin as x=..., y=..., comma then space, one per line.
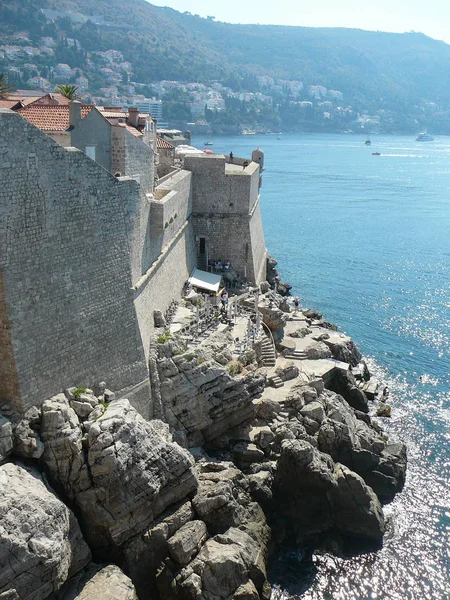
x=231, y=157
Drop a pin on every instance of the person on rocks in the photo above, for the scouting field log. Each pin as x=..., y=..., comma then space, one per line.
x=231, y=157
x=224, y=299
x=296, y=305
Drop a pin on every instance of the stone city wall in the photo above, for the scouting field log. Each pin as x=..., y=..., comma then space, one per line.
x=164, y=281
x=219, y=188
x=170, y=208
x=65, y=263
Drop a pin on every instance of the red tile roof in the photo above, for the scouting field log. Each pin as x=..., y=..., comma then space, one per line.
x=51, y=99
x=50, y=118
x=163, y=144
x=10, y=103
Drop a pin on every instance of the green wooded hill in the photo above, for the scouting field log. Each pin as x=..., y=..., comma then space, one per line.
x=402, y=73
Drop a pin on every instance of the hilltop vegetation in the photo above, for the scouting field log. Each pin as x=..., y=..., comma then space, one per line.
x=405, y=76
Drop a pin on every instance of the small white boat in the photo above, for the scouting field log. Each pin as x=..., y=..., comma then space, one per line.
x=208, y=143
x=424, y=137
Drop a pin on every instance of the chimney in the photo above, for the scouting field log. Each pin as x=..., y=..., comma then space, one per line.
x=133, y=116
x=74, y=113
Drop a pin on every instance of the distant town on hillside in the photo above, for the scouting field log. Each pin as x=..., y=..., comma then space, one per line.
x=194, y=73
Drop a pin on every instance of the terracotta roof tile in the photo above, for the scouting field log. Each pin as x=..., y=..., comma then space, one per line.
x=163, y=144
x=50, y=118
x=9, y=103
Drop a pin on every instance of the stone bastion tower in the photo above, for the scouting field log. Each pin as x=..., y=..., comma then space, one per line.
x=86, y=257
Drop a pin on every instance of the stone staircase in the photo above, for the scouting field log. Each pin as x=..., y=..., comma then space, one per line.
x=275, y=382
x=267, y=353
x=297, y=355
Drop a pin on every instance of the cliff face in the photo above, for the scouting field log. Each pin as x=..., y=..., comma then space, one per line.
x=293, y=464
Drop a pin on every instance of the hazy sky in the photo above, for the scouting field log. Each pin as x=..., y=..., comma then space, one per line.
x=431, y=18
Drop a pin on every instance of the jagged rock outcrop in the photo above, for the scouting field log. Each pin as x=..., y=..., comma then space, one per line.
x=27, y=443
x=207, y=547
x=327, y=422
x=41, y=545
x=344, y=349
x=203, y=397
x=344, y=383
x=120, y=470
x=99, y=582
x=314, y=495
x=6, y=438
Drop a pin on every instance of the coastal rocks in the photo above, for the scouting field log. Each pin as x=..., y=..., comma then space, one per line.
x=204, y=398
x=27, y=442
x=317, y=350
x=344, y=349
x=6, y=438
x=208, y=547
x=273, y=317
x=41, y=545
x=314, y=495
x=100, y=583
x=273, y=278
x=344, y=383
x=119, y=469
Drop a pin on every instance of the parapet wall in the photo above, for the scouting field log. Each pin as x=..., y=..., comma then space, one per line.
x=65, y=266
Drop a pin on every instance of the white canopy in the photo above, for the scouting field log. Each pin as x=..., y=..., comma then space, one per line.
x=205, y=281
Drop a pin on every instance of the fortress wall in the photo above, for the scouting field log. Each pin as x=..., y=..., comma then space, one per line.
x=258, y=245
x=164, y=280
x=65, y=258
x=216, y=189
x=9, y=382
x=172, y=202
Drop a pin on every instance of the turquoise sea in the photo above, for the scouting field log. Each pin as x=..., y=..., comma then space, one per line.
x=366, y=240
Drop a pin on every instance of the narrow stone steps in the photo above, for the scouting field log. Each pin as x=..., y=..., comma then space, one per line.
x=275, y=382
x=297, y=355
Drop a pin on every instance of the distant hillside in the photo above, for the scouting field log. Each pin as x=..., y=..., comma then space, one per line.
x=402, y=73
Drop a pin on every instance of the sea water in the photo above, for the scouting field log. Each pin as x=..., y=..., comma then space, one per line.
x=365, y=239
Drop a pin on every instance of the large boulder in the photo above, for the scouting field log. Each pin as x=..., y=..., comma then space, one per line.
x=99, y=582
x=312, y=495
x=41, y=545
x=6, y=438
x=344, y=383
x=120, y=470
x=344, y=349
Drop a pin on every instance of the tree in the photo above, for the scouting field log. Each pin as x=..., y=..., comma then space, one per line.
x=5, y=88
x=68, y=91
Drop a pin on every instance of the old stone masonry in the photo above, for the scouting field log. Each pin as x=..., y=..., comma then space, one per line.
x=238, y=423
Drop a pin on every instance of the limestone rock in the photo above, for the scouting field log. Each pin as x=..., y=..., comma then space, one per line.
x=355, y=507
x=344, y=349
x=41, y=545
x=187, y=541
x=27, y=442
x=317, y=350
x=6, y=438
x=384, y=410
x=201, y=397
x=63, y=455
x=158, y=319
x=122, y=475
x=136, y=472
x=99, y=582
x=313, y=495
x=273, y=317
x=267, y=409
x=344, y=383
x=312, y=314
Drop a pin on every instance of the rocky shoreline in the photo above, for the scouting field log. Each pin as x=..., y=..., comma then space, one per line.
x=247, y=457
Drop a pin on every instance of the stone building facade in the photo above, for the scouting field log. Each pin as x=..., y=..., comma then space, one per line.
x=86, y=257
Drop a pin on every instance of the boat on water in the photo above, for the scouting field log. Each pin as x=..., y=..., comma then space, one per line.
x=208, y=143
x=367, y=142
x=424, y=137
x=248, y=132
x=376, y=154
